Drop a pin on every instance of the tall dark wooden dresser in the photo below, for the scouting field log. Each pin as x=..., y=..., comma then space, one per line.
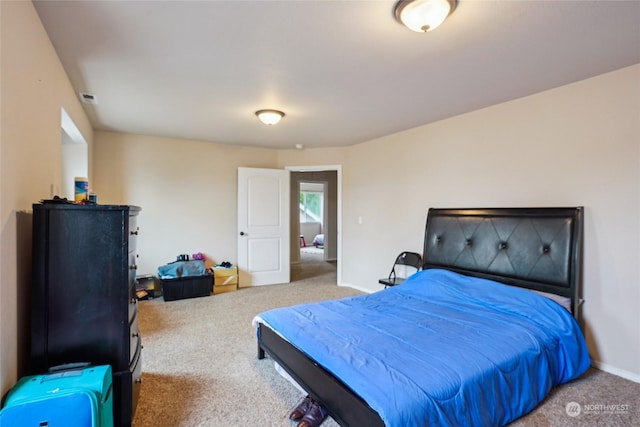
x=83, y=294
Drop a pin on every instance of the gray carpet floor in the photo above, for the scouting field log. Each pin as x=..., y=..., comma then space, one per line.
x=200, y=365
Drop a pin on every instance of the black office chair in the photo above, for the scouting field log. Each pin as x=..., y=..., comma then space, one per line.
x=409, y=261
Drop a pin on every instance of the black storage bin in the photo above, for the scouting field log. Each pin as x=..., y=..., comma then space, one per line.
x=186, y=287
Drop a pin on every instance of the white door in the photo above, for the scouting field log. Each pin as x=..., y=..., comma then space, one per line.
x=263, y=226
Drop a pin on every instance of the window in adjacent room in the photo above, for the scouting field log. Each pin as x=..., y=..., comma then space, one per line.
x=311, y=201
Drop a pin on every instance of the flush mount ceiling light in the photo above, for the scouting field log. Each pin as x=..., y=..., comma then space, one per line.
x=269, y=117
x=423, y=15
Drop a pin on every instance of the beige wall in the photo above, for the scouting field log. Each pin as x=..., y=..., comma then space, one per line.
x=187, y=191
x=34, y=88
x=575, y=145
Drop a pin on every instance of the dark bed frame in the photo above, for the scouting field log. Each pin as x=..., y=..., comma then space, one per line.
x=533, y=248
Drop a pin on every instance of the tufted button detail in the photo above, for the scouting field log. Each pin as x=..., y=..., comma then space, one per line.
x=467, y=242
x=546, y=249
x=438, y=239
x=502, y=245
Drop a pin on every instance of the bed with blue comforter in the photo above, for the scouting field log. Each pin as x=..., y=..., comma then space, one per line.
x=446, y=348
x=442, y=349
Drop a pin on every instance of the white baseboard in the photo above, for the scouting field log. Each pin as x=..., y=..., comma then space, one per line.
x=616, y=371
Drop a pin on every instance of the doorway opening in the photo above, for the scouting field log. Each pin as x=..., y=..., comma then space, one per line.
x=315, y=221
x=311, y=216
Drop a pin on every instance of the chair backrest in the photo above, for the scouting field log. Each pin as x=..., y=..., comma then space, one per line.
x=406, y=259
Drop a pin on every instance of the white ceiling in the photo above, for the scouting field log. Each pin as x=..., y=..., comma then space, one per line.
x=344, y=72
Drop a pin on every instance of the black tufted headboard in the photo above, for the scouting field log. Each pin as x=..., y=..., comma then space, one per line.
x=534, y=248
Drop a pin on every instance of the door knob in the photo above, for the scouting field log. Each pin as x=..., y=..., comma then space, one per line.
x=242, y=233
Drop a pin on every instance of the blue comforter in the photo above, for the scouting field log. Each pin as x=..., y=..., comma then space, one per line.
x=441, y=349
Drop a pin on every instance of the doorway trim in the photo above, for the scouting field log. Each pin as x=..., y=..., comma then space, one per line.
x=338, y=169
x=74, y=156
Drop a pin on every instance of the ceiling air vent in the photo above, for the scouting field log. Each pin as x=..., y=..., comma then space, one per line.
x=87, y=98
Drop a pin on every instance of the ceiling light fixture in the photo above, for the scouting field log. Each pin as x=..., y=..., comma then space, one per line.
x=269, y=117
x=423, y=15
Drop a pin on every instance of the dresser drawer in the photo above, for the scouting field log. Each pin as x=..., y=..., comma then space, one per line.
x=136, y=380
x=126, y=391
x=135, y=342
x=133, y=268
x=133, y=308
x=133, y=233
